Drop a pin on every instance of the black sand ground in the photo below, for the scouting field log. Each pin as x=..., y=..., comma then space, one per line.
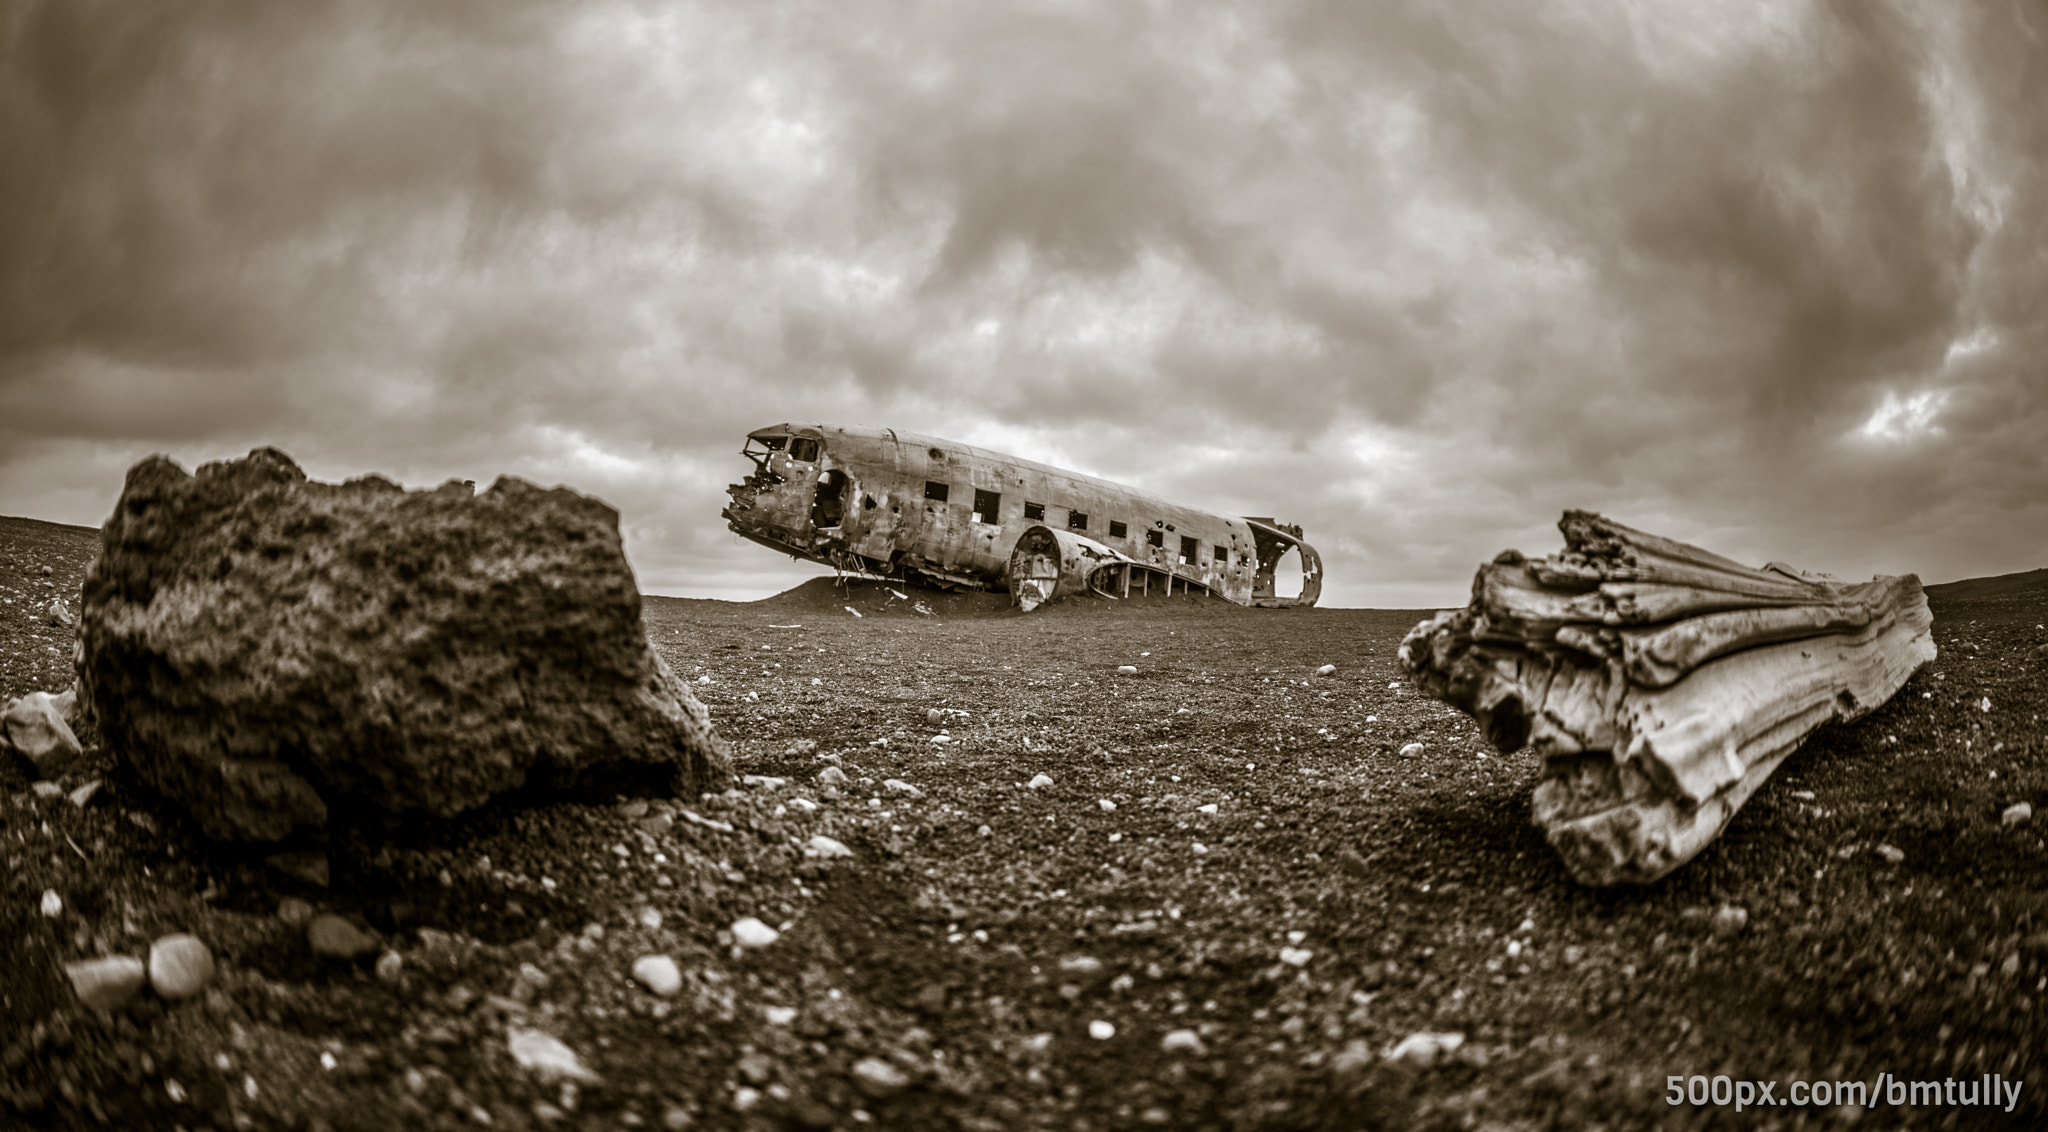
x=1339, y=898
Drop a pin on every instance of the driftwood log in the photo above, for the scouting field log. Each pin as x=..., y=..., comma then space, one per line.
x=1661, y=684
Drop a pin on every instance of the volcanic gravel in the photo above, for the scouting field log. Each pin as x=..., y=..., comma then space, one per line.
x=1228, y=901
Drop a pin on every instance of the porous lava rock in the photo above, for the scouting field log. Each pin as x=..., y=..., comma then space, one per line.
x=263, y=648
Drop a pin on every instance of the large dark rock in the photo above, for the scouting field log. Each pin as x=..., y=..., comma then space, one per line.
x=262, y=648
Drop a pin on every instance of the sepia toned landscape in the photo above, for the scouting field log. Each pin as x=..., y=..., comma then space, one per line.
x=1169, y=863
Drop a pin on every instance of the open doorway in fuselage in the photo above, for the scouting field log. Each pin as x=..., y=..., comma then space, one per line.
x=828, y=507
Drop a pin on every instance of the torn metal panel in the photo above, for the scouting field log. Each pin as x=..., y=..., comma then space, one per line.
x=899, y=505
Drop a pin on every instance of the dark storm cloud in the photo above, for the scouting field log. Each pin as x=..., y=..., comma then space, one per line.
x=1418, y=276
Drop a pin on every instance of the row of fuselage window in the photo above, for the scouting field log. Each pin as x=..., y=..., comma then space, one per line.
x=988, y=505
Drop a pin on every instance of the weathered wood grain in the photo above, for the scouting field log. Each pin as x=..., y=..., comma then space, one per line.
x=1661, y=683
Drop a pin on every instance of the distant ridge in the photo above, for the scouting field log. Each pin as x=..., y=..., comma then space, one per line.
x=2004, y=585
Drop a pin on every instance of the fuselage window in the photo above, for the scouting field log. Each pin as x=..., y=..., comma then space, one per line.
x=1189, y=550
x=935, y=491
x=1117, y=529
x=1076, y=521
x=1035, y=512
x=987, y=505
x=1223, y=555
x=803, y=448
x=1155, y=539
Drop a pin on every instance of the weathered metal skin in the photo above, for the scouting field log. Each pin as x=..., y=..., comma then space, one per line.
x=898, y=504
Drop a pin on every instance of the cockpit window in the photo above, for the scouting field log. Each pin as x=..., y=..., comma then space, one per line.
x=762, y=445
x=803, y=448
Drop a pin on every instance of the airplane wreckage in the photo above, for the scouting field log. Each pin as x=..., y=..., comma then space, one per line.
x=1660, y=684
x=900, y=505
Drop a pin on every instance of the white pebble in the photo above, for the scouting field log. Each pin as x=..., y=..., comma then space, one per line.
x=750, y=932
x=1039, y=782
x=1425, y=1048
x=108, y=983
x=1101, y=1031
x=1411, y=750
x=1296, y=956
x=898, y=786
x=1182, y=1041
x=545, y=1056
x=1327, y=670
x=1729, y=921
x=1201, y=848
x=827, y=848
x=1891, y=853
x=53, y=904
x=1127, y=669
x=2019, y=813
x=1107, y=805
x=659, y=974
x=779, y=1015
x=390, y=966
x=1208, y=809
x=179, y=965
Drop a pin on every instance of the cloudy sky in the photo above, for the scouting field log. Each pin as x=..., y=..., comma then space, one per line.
x=1771, y=277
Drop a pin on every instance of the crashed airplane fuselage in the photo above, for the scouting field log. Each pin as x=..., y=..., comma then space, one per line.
x=900, y=505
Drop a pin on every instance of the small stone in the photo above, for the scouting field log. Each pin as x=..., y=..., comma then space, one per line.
x=1327, y=670
x=779, y=1015
x=659, y=974
x=2019, y=813
x=827, y=848
x=763, y=781
x=878, y=1078
x=106, y=984
x=1039, y=781
x=294, y=911
x=832, y=776
x=1101, y=1031
x=544, y=1055
x=1411, y=750
x=1354, y=1058
x=1425, y=1048
x=1082, y=967
x=657, y=825
x=984, y=831
x=1892, y=854
x=1296, y=956
x=750, y=932
x=1729, y=920
x=1127, y=669
x=390, y=966
x=1183, y=1041
x=335, y=938
x=1208, y=809
x=84, y=794
x=308, y=867
x=900, y=787
x=60, y=615
x=803, y=805
x=53, y=904
x=1107, y=806
x=1351, y=862
x=179, y=966
x=36, y=728
x=47, y=789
